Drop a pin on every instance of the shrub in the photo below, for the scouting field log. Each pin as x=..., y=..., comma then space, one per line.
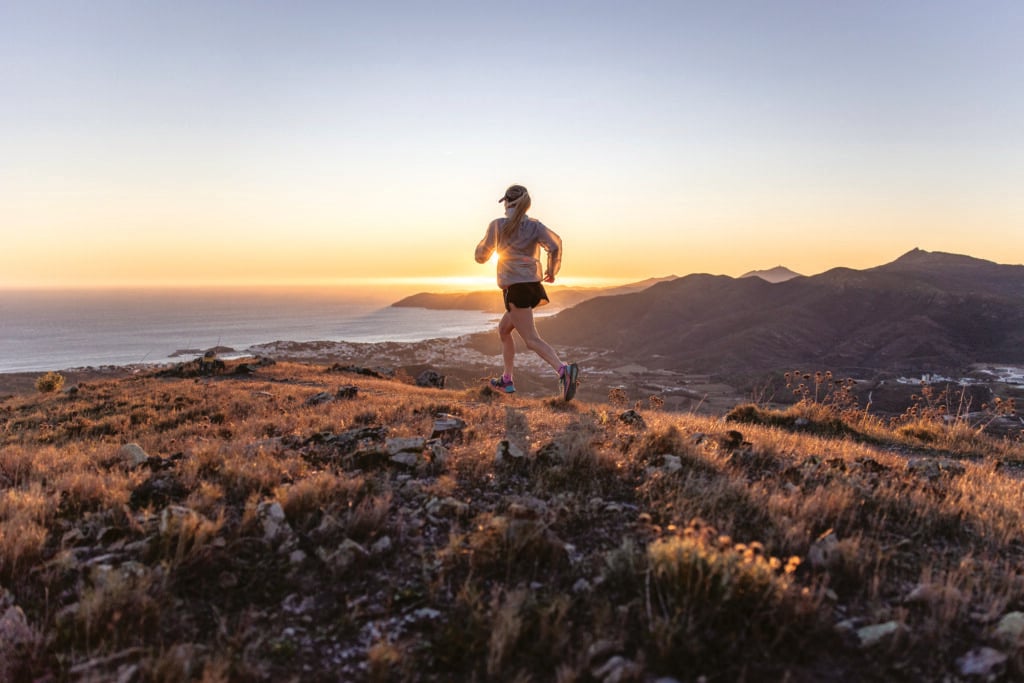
x=50, y=382
x=734, y=594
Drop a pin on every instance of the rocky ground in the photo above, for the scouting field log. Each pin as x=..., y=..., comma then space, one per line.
x=273, y=520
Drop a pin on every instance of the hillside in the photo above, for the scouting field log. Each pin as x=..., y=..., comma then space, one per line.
x=287, y=521
x=490, y=300
x=924, y=312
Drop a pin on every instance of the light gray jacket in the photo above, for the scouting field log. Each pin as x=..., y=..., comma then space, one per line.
x=519, y=255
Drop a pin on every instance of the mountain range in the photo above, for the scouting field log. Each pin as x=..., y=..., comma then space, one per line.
x=923, y=312
x=490, y=300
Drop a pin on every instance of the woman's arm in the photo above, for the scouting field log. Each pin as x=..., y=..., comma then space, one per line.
x=552, y=244
x=488, y=244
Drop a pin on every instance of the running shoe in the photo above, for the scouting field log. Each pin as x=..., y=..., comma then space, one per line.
x=501, y=384
x=568, y=378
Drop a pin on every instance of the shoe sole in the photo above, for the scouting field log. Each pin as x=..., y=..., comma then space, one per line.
x=572, y=378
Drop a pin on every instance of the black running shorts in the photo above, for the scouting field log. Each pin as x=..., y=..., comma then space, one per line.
x=525, y=295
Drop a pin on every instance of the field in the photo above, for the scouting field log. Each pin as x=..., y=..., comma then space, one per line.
x=298, y=521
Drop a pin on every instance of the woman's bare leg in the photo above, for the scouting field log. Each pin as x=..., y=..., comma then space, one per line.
x=508, y=344
x=522, y=320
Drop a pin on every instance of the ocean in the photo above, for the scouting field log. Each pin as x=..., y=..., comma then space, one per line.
x=61, y=330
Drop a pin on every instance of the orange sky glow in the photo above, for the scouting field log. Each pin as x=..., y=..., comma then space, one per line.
x=199, y=144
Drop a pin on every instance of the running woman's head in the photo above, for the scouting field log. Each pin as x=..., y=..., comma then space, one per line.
x=517, y=202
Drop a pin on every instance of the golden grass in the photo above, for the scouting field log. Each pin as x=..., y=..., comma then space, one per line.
x=683, y=548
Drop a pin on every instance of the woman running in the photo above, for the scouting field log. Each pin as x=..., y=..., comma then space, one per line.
x=518, y=240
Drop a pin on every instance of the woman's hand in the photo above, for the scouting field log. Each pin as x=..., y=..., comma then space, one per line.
x=549, y=278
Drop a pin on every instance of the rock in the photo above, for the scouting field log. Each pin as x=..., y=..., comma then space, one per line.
x=671, y=463
x=397, y=445
x=447, y=507
x=380, y=373
x=824, y=552
x=934, y=468
x=931, y=593
x=982, y=661
x=430, y=378
x=407, y=459
x=346, y=555
x=320, y=398
x=508, y=451
x=427, y=613
x=16, y=638
x=275, y=526
x=1010, y=629
x=349, y=391
x=297, y=557
x=297, y=604
x=581, y=586
x=618, y=669
x=438, y=453
x=801, y=422
x=631, y=417
x=133, y=455
x=870, y=636
x=381, y=546
x=448, y=428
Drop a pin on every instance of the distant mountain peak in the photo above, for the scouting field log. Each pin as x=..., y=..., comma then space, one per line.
x=918, y=258
x=773, y=275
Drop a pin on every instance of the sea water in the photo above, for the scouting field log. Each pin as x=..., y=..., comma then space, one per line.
x=59, y=330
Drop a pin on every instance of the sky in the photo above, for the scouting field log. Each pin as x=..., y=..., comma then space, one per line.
x=228, y=142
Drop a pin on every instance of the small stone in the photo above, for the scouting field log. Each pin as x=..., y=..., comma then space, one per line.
x=982, y=661
x=396, y=445
x=406, y=459
x=344, y=557
x=448, y=428
x=870, y=636
x=15, y=632
x=427, y=613
x=438, y=453
x=133, y=455
x=347, y=392
x=581, y=586
x=508, y=450
x=297, y=557
x=1010, y=628
x=272, y=517
x=430, y=378
x=824, y=552
x=932, y=592
x=671, y=463
x=317, y=399
x=618, y=669
x=381, y=546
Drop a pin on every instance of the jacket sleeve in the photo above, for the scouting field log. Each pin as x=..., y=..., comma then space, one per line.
x=488, y=244
x=552, y=243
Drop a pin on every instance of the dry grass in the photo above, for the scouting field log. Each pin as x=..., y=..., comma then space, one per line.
x=270, y=537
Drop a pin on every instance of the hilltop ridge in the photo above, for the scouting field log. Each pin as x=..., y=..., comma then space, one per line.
x=285, y=520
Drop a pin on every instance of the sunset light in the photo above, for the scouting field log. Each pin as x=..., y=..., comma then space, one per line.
x=196, y=143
